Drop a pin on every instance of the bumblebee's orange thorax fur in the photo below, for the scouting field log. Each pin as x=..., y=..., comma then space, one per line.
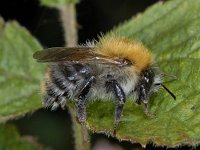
x=134, y=51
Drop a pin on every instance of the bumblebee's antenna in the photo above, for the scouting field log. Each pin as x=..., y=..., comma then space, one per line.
x=173, y=77
x=172, y=95
x=168, y=75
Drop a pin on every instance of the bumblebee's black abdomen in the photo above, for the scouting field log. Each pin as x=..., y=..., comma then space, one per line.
x=54, y=95
x=64, y=81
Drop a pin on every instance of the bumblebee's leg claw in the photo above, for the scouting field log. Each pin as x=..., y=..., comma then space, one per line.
x=118, y=112
x=82, y=120
x=81, y=111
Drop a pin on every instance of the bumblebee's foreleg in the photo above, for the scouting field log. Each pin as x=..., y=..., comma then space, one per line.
x=81, y=104
x=121, y=98
x=146, y=108
x=146, y=104
x=144, y=89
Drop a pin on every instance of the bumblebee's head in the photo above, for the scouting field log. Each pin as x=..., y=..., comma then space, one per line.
x=149, y=83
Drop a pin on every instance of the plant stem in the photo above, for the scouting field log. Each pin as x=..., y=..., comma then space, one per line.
x=82, y=141
x=68, y=18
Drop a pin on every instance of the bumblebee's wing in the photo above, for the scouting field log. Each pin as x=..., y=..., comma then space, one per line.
x=57, y=54
x=82, y=54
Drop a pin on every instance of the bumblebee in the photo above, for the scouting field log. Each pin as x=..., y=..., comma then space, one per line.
x=113, y=68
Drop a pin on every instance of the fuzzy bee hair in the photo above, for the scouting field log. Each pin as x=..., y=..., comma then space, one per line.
x=113, y=68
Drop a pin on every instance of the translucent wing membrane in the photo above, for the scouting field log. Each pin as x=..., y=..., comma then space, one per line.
x=57, y=54
x=76, y=54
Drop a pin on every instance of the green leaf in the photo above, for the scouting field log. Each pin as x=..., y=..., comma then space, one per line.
x=57, y=3
x=172, y=31
x=20, y=75
x=11, y=140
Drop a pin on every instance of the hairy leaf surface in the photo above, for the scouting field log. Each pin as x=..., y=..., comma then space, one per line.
x=20, y=75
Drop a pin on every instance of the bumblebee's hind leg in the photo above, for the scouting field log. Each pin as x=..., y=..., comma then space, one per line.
x=119, y=93
x=81, y=104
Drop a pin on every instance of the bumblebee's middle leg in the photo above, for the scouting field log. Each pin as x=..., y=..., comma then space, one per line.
x=81, y=104
x=121, y=98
